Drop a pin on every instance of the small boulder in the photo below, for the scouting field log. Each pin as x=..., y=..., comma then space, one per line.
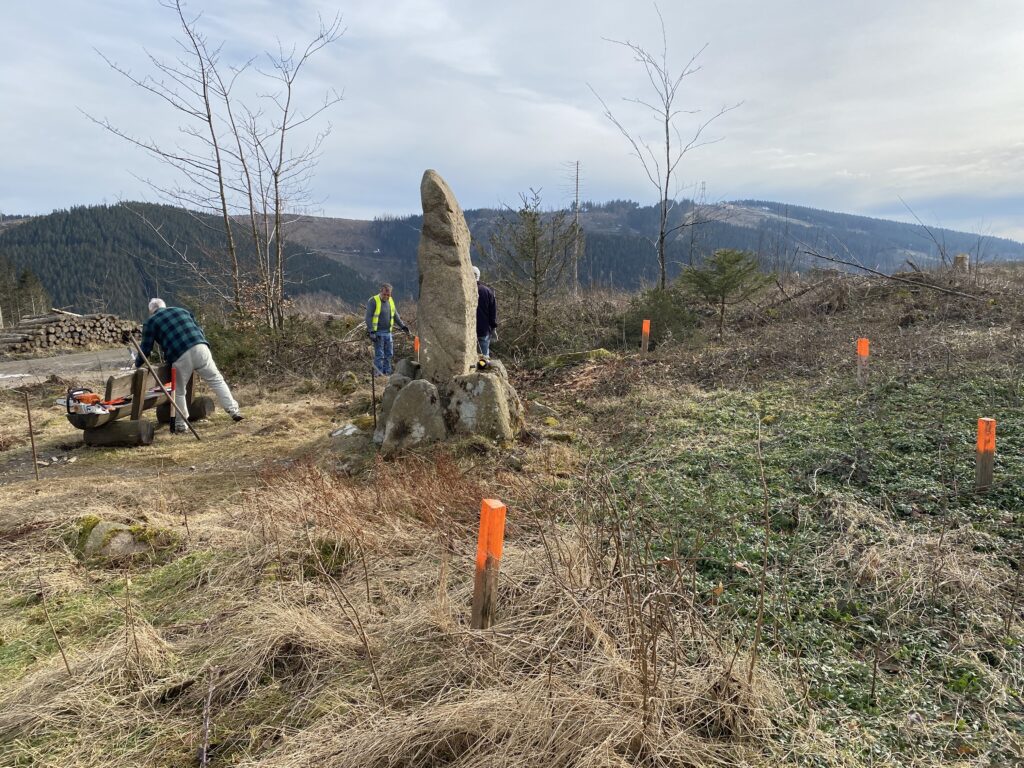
x=484, y=403
x=117, y=541
x=415, y=418
x=395, y=385
x=350, y=439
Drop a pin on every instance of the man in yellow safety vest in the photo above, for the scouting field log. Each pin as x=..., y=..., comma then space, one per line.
x=381, y=319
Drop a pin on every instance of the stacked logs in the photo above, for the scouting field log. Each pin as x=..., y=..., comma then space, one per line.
x=63, y=330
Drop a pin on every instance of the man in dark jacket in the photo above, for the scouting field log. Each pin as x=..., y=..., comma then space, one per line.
x=185, y=347
x=486, y=315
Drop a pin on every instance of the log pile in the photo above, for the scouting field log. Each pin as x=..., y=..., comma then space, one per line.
x=62, y=329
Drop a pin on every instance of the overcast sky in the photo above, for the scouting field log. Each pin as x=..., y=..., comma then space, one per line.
x=844, y=106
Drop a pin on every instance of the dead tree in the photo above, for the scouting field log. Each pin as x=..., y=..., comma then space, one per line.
x=660, y=159
x=238, y=164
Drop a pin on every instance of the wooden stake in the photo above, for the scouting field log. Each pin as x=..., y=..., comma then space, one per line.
x=373, y=394
x=416, y=347
x=53, y=629
x=645, y=339
x=863, y=352
x=31, y=436
x=985, y=462
x=488, y=560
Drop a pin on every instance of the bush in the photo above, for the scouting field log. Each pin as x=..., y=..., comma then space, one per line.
x=668, y=310
x=302, y=349
x=568, y=324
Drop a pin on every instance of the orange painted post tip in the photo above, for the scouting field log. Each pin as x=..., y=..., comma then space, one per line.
x=647, y=328
x=416, y=344
x=986, y=435
x=863, y=347
x=490, y=541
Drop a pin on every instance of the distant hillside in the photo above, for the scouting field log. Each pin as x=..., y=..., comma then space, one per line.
x=109, y=258
x=618, y=252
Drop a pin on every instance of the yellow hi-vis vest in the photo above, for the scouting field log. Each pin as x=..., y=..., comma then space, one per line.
x=376, y=312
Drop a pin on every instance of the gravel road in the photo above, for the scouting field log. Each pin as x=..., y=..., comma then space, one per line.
x=81, y=367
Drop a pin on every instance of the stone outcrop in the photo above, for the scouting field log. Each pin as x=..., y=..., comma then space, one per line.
x=416, y=418
x=446, y=314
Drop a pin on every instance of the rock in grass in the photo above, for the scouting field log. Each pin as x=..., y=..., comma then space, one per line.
x=117, y=542
x=351, y=439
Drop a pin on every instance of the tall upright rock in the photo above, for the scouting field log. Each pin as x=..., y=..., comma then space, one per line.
x=446, y=314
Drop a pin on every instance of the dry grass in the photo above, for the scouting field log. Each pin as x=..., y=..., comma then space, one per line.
x=558, y=681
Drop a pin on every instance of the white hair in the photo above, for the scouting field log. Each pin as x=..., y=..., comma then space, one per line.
x=155, y=304
x=476, y=271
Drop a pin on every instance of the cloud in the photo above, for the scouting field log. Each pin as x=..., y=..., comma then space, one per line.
x=843, y=106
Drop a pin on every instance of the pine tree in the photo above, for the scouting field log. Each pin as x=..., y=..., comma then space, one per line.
x=728, y=277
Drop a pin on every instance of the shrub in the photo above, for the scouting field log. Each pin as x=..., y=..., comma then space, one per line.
x=668, y=310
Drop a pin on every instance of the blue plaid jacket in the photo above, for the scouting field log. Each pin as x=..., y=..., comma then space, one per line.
x=174, y=329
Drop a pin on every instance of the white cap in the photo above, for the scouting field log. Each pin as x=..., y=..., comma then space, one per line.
x=155, y=304
x=476, y=271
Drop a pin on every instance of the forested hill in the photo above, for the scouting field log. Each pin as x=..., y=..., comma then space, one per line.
x=115, y=258
x=111, y=257
x=618, y=251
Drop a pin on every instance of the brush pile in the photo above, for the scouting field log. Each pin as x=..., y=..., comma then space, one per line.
x=63, y=330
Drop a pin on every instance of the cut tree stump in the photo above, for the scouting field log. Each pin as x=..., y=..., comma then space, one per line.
x=201, y=408
x=126, y=433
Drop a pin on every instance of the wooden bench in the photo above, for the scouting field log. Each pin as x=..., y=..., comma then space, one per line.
x=139, y=392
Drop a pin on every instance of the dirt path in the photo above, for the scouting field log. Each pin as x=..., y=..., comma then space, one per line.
x=91, y=366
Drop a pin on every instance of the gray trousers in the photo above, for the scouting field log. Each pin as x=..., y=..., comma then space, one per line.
x=199, y=359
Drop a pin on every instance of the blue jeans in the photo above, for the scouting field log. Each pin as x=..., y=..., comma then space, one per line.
x=383, y=351
x=485, y=344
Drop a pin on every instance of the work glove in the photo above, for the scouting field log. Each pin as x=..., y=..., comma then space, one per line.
x=407, y=331
x=494, y=334
x=371, y=335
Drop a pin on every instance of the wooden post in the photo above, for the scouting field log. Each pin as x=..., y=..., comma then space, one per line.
x=373, y=394
x=645, y=339
x=138, y=393
x=416, y=347
x=31, y=436
x=985, y=462
x=863, y=351
x=488, y=560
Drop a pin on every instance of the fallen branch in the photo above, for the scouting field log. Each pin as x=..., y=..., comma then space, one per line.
x=854, y=264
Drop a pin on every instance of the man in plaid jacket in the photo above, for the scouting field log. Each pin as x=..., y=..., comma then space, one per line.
x=183, y=344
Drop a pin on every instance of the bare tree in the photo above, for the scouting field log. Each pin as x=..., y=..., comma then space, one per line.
x=660, y=160
x=239, y=164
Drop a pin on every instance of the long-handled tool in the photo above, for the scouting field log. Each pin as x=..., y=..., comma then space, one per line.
x=170, y=398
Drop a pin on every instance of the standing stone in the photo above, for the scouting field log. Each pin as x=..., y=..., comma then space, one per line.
x=446, y=314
